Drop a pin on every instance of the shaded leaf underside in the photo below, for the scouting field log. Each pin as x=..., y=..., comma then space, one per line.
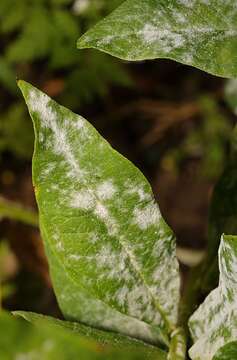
x=106, y=240
x=201, y=33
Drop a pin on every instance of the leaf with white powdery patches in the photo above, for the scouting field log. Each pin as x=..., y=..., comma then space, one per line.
x=201, y=33
x=214, y=324
x=103, y=230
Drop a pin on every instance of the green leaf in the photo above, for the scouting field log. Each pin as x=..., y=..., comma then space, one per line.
x=227, y=352
x=104, y=338
x=80, y=306
x=107, y=242
x=194, y=32
x=47, y=341
x=214, y=324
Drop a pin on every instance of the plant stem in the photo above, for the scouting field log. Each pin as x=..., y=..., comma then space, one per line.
x=178, y=346
x=15, y=211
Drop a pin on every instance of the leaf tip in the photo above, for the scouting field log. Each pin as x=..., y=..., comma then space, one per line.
x=82, y=43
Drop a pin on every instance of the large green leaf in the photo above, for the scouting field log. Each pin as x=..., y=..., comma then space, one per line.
x=112, y=255
x=195, y=32
x=47, y=341
x=103, y=338
x=214, y=324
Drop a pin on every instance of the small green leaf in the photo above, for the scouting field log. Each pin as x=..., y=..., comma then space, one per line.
x=214, y=324
x=104, y=338
x=106, y=240
x=194, y=32
x=47, y=341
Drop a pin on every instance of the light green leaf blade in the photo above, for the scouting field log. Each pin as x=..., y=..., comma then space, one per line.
x=194, y=32
x=214, y=324
x=100, y=221
x=103, y=338
x=47, y=341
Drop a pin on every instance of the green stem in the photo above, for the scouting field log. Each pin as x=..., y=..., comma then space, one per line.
x=15, y=211
x=178, y=346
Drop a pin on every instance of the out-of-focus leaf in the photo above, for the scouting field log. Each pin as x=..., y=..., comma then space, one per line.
x=101, y=225
x=104, y=338
x=7, y=76
x=214, y=324
x=193, y=32
x=20, y=340
x=34, y=41
x=14, y=16
x=13, y=121
x=15, y=211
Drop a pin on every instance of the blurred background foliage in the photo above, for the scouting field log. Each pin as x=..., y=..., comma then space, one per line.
x=39, y=43
x=172, y=121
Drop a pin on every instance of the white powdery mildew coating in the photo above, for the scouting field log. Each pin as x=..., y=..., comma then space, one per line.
x=217, y=316
x=97, y=314
x=40, y=103
x=82, y=200
x=147, y=216
x=169, y=39
x=106, y=190
x=113, y=263
x=139, y=190
x=167, y=285
x=187, y=3
x=103, y=214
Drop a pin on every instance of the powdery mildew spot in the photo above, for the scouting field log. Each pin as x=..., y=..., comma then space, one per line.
x=139, y=190
x=170, y=39
x=187, y=3
x=147, y=216
x=106, y=190
x=82, y=200
x=40, y=103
